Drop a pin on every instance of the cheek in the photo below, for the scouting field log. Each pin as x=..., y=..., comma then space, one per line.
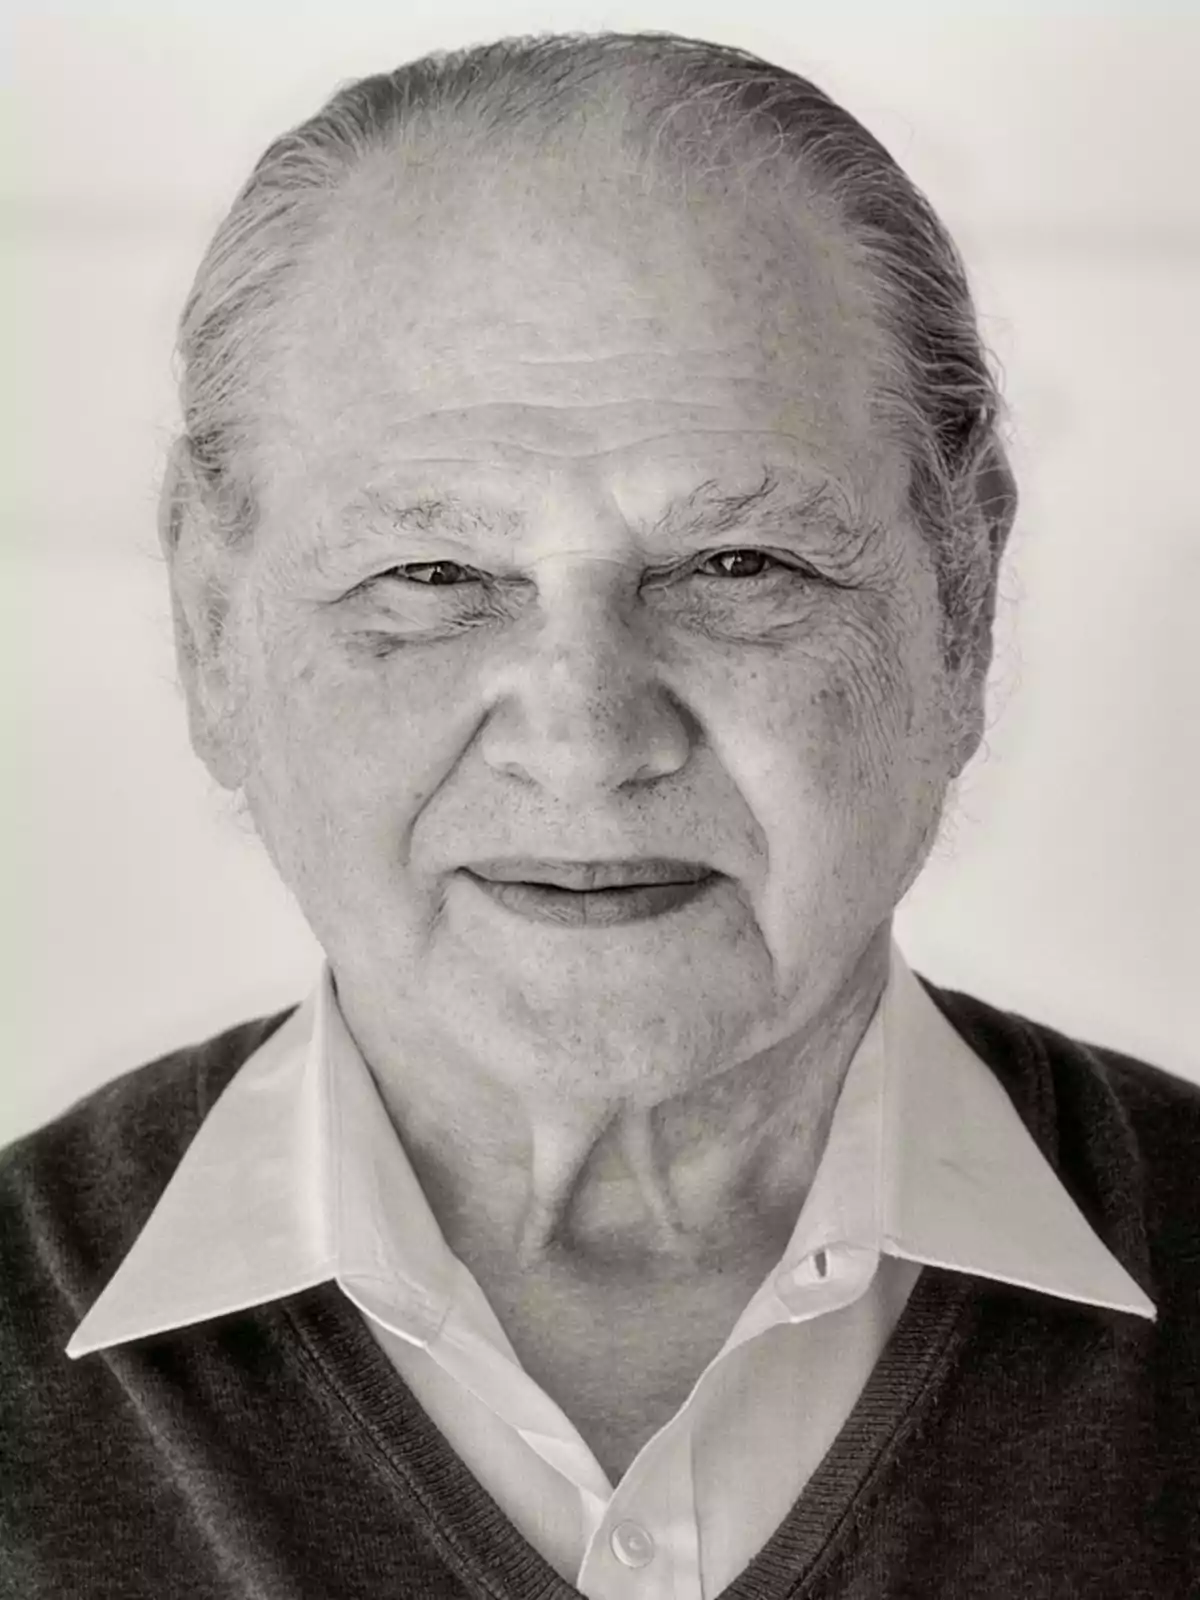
x=865, y=715
x=820, y=728
x=828, y=752
x=347, y=748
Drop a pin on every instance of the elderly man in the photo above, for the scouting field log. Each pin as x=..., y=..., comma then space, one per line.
x=583, y=543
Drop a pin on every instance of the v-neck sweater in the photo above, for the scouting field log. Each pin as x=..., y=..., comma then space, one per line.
x=1006, y=1444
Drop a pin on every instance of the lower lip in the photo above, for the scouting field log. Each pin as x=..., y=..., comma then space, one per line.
x=592, y=908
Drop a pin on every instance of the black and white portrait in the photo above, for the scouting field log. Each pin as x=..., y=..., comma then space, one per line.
x=612, y=998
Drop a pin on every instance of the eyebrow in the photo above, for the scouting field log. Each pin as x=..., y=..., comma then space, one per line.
x=817, y=501
x=820, y=502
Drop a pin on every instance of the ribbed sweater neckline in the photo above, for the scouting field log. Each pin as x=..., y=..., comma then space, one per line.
x=487, y=1552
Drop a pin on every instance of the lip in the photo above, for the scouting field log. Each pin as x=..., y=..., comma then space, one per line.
x=583, y=876
x=592, y=908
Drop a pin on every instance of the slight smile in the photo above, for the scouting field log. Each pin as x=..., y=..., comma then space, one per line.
x=591, y=893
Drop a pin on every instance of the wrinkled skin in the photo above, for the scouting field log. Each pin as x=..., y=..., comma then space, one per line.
x=599, y=1102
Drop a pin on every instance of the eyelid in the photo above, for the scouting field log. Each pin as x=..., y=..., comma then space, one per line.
x=690, y=564
x=396, y=570
x=749, y=549
x=658, y=574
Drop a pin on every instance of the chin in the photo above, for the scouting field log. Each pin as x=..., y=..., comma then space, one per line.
x=609, y=1044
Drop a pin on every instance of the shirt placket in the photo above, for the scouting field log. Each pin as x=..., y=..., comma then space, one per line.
x=645, y=1544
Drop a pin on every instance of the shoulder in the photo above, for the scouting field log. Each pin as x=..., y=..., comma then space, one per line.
x=1122, y=1133
x=1145, y=1086
x=75, y=1192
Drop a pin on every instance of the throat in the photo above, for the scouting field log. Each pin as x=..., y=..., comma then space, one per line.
x=617, y=1351
x=614, y=1200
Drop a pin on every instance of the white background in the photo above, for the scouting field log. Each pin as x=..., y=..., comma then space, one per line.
x=1061, y=144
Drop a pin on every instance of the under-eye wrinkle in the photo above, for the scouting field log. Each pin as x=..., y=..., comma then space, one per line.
x=762, y=608
x=381, y=645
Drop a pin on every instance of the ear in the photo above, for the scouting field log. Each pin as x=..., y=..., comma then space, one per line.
x=994, y=500
x=199, y=570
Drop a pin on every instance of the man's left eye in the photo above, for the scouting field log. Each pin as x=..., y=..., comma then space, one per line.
x=738, y=564
x=435, y=574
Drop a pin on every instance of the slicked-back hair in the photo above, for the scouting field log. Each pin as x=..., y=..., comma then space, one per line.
x=686, y=102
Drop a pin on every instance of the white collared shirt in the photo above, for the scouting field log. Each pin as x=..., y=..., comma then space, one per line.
x=297, y=1177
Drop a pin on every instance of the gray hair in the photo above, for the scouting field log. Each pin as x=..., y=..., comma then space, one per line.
x=937, y=391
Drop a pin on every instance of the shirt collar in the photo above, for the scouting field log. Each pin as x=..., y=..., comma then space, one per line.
x=296, y=1177
x=951, y=1176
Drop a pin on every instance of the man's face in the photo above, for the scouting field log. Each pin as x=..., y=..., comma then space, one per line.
x=541, y=573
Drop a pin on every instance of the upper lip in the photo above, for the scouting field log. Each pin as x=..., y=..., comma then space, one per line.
x=581, y=875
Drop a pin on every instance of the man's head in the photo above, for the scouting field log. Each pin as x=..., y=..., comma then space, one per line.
x=589, y=455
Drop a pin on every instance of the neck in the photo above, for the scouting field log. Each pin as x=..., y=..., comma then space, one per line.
x=599, y=1186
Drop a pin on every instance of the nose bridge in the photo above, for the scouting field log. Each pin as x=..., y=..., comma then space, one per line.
x=589, y=645
x=582, y=705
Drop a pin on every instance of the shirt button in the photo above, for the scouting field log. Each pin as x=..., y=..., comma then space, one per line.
x=631, y=1544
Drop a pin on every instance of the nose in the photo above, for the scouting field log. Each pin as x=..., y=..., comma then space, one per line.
x=581, y=709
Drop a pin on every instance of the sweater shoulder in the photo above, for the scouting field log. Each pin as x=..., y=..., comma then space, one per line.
x=1163, y=1107
x=75, y=1192
x=1122, y=1133
x=1163, y=1113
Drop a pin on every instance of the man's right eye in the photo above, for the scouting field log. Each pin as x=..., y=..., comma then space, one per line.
x=433, y=574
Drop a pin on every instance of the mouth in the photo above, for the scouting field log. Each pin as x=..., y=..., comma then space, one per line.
x=591, y=893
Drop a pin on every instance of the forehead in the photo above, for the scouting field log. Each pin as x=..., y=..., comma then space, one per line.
x=555, y=311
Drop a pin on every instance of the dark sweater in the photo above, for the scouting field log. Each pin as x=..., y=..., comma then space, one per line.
x=1008, y=1444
